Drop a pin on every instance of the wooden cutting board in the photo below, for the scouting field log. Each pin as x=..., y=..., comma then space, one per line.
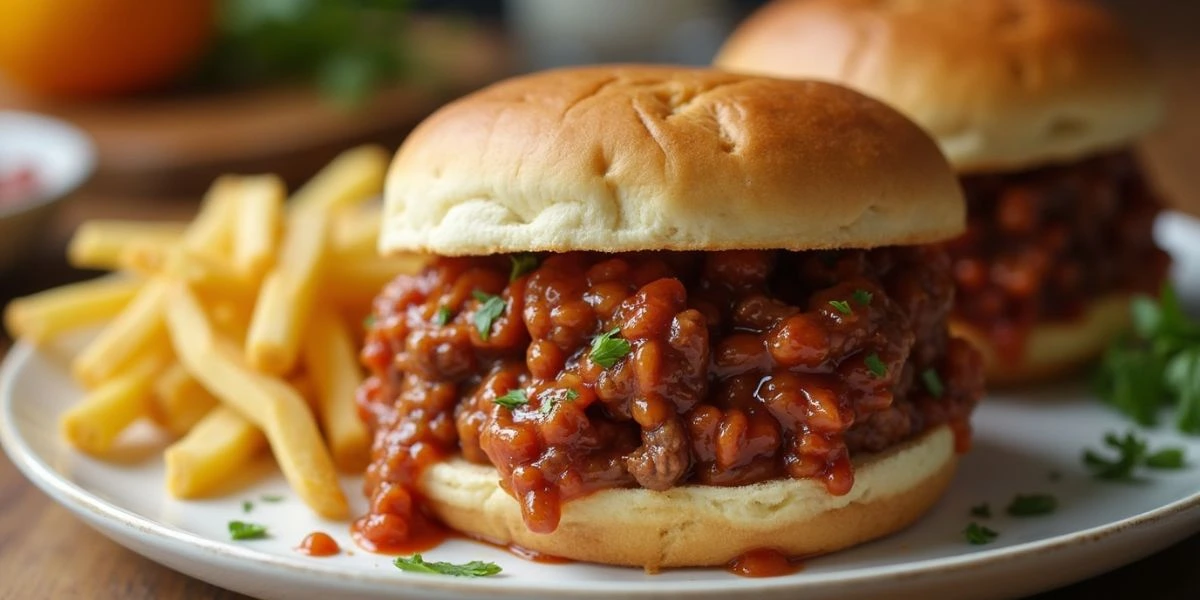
x=175, y=144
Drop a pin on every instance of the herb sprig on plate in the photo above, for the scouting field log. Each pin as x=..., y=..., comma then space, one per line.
x=1155, y=364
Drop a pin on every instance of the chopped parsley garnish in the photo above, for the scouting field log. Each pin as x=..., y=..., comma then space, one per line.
x=1131, y=452
x=875, y=365
x=475, y=568
x=271, y=498
x=369, y=322
x=1031, y=505
x=1157, y=363
x=978, y=535
x=549, y=401
x=607, y=349
x=983, y=511
x=1167, y=458
x=862, y=297
x=513, y=399
x=933, y=382
x=521, y=264
x=443, y=316
x=247, y=506
x=842, y=306
x=241, y=530
x=490, y=309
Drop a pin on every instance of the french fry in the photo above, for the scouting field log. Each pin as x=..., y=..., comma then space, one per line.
x=138, y=328
x=268, y=403
x=303, y=385
x=211, y=453
x=179, y=401
x=356, y=234
x=102, y=244
x=93, y=424
x=352, y=176
x=356, y=281
x=287, y=295
x=140, y=324
x=46, y=315
x=331, y=360
x=257, y=221
x=210, y=232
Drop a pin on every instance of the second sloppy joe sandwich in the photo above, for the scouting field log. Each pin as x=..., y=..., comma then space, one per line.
x=1037, y=104
x=674, y=316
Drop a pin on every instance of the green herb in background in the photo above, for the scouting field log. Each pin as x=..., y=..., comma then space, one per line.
x=241, y=530
x=1156, y=364
x=1031, y=505
x=348, y=48
x=977, y=534
x=1132, y=452
x=475, y=568
x=983, y=511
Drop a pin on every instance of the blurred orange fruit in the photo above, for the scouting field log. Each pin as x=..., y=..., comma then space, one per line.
x=100, y=47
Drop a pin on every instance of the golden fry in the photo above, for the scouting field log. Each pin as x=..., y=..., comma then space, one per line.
x=46, y=315
x=220, y=445
x=287, y=295
x=356, y=234
x=102, y=244
x=93, y=424
x=137, y=329
x=179, y=402
x=258, y=213
x=352, y=177
x=269, y=403
x=354, y=282
x=332, y=363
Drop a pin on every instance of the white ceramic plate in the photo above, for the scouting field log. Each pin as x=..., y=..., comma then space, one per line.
x=1027, y=443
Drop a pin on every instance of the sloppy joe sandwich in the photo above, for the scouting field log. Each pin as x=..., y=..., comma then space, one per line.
x=1036, y=103
x=673, y=316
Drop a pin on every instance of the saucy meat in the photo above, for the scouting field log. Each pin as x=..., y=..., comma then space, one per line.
x=1041, y=244
x=656, y=369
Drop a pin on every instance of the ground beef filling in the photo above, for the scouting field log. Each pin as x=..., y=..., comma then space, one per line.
x=720, y=368
x=1041, y=244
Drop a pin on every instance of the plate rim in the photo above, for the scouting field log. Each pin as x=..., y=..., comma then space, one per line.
x=79, y=500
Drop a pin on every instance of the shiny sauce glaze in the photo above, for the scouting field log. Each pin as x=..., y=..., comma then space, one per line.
x=318, y=543
x=1041, y=244
x=764, y=562
x=654, y=370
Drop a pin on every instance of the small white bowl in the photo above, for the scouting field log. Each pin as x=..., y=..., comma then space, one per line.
x=61, y=157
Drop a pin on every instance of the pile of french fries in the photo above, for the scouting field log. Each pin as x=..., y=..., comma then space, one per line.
x=234, y=332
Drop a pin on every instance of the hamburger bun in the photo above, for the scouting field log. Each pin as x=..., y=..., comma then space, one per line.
x=650, y=158
x=1001, y=84
x=705, y=525
x=1055, y=348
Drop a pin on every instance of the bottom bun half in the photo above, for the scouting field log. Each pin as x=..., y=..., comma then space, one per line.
x=1053, y=349
x=706, y=525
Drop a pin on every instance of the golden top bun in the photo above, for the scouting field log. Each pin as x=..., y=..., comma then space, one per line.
x=706, y=525
x=621, y=158
x=1001, y=84
x=1053, y=349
